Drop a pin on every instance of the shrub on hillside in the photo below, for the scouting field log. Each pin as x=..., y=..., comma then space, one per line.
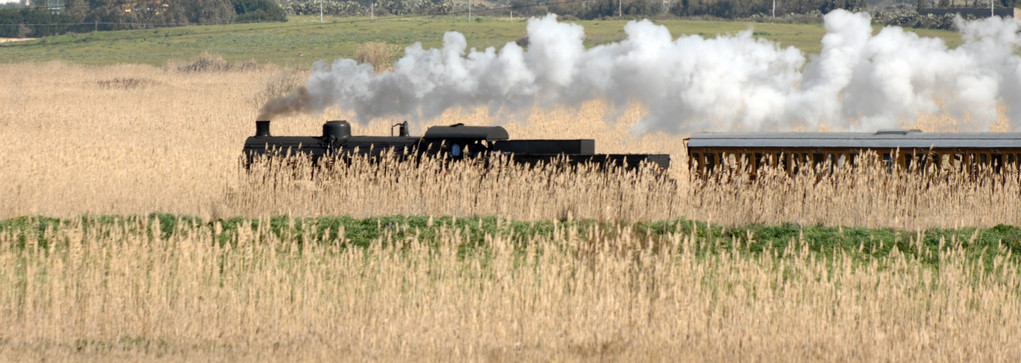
x=380, y=55
x=209, y=62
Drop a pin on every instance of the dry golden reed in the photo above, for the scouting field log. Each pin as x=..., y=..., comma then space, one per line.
x=102, y=291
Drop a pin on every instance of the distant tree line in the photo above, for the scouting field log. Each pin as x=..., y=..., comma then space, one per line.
x=370, y=7
x=97, y=15
x=749, y=8
x=571, y=9
x=94, y=15
x=967, y=3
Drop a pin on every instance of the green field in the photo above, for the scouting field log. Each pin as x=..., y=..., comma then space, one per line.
x=303, y=40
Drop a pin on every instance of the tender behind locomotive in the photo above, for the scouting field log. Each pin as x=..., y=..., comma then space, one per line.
x=453, y=142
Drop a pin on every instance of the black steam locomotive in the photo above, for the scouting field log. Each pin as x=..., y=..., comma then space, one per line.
x=453, y=142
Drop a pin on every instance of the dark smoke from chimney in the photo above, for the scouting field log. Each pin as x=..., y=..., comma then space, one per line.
x=298, y=101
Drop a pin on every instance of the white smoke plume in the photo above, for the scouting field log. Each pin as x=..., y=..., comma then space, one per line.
x=859, y=81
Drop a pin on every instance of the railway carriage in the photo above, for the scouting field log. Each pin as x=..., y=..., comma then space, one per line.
x=907, y=149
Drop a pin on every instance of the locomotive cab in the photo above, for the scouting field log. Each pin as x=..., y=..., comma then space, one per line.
x=459, y=141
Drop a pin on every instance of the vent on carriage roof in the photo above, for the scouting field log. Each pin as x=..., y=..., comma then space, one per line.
x=897, y=131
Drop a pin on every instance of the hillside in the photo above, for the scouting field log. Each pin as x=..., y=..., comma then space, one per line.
x=303, y=40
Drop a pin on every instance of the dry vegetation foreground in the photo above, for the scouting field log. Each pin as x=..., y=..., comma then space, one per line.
x=133, y=290
x=131, y=140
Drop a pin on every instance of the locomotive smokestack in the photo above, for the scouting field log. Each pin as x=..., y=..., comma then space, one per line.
x=262, y=128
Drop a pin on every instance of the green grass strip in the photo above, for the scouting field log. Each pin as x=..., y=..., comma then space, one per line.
x=859, y=244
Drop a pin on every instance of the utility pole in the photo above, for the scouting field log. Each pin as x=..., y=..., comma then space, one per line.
x=321, y=10
x=774, y=9
x=372, y=11
x=620, y=8
x=470, y=10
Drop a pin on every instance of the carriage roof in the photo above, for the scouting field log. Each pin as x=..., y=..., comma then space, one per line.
x=883, y=139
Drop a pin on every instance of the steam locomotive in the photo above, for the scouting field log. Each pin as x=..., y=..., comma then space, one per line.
x=452, y=142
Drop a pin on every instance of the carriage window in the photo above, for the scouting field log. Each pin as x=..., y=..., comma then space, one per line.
x=758, y=160
x=804, y=160
x=887, y=162
x=958, y=161
x=919, y=161
x=782, y=160
x=818, y=158
x=695, y=159
x=710, y=161
x=853, y=158
x=841, y=160
x=1010, y=159
x=972, y=163
x=983, y=159
x=997, y=160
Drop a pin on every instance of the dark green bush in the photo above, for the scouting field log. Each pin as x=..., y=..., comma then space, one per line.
x=42, y=23
x=258, y=10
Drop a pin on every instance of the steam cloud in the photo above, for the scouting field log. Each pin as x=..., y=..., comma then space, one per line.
x=859, y=81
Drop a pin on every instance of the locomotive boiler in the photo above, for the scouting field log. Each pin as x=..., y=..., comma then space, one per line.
x=454, y=142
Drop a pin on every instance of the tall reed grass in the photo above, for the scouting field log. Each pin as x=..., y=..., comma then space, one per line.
x=97, y=290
